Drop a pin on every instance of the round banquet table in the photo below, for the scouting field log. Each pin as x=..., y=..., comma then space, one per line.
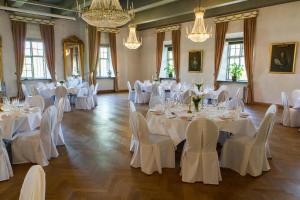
x=174, y=122
x=23, y=120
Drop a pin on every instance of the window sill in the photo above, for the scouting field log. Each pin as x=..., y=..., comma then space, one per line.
x=172, y=79
x=232, y=82
x=105, y=78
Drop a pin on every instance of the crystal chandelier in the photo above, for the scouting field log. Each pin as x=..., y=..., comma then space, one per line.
x=106, y=14
x=199, y=32
x=132, y=42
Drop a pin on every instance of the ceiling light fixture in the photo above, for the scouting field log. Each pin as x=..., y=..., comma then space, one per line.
x=199, y=32
x=132, y=42
x=106, y=13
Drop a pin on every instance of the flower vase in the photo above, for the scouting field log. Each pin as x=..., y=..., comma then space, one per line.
x=196, y=104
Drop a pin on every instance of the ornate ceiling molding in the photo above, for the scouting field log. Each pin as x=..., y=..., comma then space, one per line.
x=30, y=20
x=236, y=16
x=108, y=30
x=168, y=28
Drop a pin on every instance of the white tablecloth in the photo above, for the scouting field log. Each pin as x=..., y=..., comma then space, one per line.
x=175, y=125
x=21, y=121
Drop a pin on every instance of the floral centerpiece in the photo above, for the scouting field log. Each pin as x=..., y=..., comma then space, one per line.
x=197, y=99
x=199, y=86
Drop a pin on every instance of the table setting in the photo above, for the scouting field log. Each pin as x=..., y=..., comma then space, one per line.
x=172, y=119
x=16, y=117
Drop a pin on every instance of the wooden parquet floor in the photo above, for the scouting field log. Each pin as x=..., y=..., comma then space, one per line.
x=94, y=164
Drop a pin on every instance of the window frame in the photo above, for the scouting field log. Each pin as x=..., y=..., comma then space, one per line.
x=168, y=59
x=229, y=57
x=31, y=40
x=99, y=75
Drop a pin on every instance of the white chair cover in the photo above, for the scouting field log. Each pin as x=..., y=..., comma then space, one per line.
x=290, y=116
x=271, y=109
x=223, y=96
x=245, y=154
x=5, y=167
x=133, y=139
x=95, y=94
x=58, y=137
x=151, y=152
x=37, y=146
x=25, y=90
x=34, y=185
x=236, y=101
x=199, y=161
x=155, y=100
x=140, y=95
x=131, y=92
x=85, y=100
x=36, y=101
x=61, y=92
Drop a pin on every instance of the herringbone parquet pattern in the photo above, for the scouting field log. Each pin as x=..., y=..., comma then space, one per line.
x=94, y=164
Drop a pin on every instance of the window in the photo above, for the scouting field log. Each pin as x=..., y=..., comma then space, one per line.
x=35, y=66
x=233, y=54
x=167, y=66
x=105, y=68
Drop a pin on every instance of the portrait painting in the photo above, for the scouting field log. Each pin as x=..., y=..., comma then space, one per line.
x=195, y=61
x=283, y=58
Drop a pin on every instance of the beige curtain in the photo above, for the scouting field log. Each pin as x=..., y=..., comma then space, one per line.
x=221, y=29
x=159, y=50
x=94, y=43
x=113, y=52
x=19, y=37
x=176, y=34
x=47, y=33
x=249, y=37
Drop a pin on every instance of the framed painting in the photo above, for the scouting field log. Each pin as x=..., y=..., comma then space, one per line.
x=196, y=61
x=283, y=58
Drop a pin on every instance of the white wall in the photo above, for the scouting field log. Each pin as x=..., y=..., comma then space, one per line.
x=274, y=24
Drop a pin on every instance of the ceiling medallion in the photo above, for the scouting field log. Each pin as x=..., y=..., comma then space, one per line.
x=132, y=42
x=199, y=32
x=107, y=14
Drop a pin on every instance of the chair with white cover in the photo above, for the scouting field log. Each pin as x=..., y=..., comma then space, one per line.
x=155, y=100
x=247, y=154
x=5, y=167
x=36, y=146
x=95, y=97
x=223, y=96
x=85, y=100
x=271, y=109
x=34, y=185
x=132, y=109
x=290, y=116
x=131, y=92
x=58, y=137
x=140, y=95
x=199, y=160
x=151, y=152
x=62, y=92
x=36, y=101
x=236, y=101
x=25, y=91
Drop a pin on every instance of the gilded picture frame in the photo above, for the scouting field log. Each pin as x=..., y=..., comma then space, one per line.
x=1, y=61
x=195, y=61
x=283, y=58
